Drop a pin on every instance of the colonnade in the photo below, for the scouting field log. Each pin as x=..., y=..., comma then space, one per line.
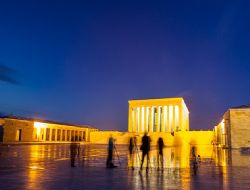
x=59, y=134
x=221, y=134
x=166, y=118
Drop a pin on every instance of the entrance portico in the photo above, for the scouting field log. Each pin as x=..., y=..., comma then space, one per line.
x=158, y=115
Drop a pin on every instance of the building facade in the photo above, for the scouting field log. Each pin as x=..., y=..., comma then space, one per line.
x=158, y=115
x=234, y=129
x=20, y=130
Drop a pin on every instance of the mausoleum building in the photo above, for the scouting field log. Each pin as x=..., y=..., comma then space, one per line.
x=158, y=115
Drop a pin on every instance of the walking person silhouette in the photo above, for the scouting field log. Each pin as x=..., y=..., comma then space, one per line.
x=160, y=144
x=109, y=163
x=131, y=148
x=194, y=160
x=145, y=148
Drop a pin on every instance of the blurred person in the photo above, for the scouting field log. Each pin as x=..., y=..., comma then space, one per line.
x=160, y=144
x=132, y=144
x=73, y=152
x=78, y=152
x=109, y=163
x=193, y=159
x=145, y=148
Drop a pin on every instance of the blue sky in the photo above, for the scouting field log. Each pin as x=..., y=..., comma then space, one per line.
x=81, y=61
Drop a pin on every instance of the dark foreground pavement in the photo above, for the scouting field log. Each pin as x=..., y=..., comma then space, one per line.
x=39, y=167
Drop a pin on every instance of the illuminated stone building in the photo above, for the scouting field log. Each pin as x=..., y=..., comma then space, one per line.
x=167, y=118
x=158, y=115
x=234, y=129
x=21, y=130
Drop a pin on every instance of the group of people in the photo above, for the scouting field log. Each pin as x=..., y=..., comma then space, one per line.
x=133, y=151
x=145, y=148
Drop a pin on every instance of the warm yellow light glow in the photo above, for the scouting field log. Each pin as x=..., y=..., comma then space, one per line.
x=171, y=118
x=142, y=119
x=222, y=126
x=39, y=126
x=137, y=119
x=158, y=115
x=147, y=119
x=133, y=120
x=177, y=118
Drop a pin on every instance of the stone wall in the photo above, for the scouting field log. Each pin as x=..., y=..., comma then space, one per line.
x=194, y=137
x=11, y=127
x=170, y=139
x=101, y=137
x=240, y=127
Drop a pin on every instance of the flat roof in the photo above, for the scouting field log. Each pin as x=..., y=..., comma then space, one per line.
x=44, y=121
x=159, y=101
x=241, y=107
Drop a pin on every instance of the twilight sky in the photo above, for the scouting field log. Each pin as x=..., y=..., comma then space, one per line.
x=81, y=61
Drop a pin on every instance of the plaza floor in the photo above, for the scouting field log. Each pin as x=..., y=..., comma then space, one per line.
x=39, y=167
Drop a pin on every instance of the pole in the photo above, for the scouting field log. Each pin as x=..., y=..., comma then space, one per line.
x=117, y=155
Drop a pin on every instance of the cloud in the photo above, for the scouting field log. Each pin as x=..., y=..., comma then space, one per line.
x=8, y=74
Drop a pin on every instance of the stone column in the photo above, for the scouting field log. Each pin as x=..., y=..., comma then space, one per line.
x=163, y=119
x=177, y=117
x=66, y=135
x=174, y=125
x=142, y=119
x=44, y=134
x=130, y=118
x=158, y=119
x=60, y=135
x=149, y=120
x=135, y=121
x=146, y=120
x=138, y=123
x=81, y=132
x=180, y=118
x=55, y=134
x=73, y=134
x=170, y=118
x=70, y=137
x=152, y=119
x=50, y=134
x=166, y=119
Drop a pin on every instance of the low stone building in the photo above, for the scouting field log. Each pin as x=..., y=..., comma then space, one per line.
x=234, y=129
x=23, y=130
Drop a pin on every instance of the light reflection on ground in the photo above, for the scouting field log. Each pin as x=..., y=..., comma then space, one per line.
x=48, y=167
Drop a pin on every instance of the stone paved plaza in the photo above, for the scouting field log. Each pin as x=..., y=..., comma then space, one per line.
x=38, y=167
